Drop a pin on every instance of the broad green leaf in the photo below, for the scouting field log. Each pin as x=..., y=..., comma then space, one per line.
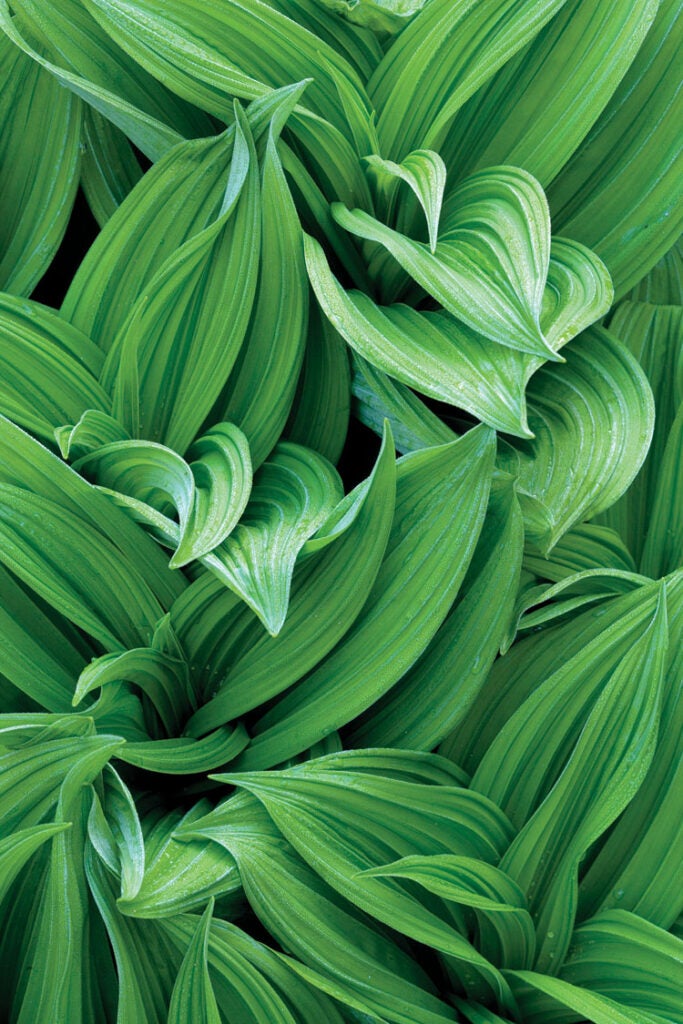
x=343, y=825
x=53, y=984
x=146, y=963
x=654, y=335
x=441, y=58
x=153, y=137
x=192, y=997
x=328, y=592
x=294, y=492
x=586, y=546
x=589, y=1006
x=40, y=126
x=506, y=930
x=39, y=653
x=620, y=192
x=428, y=562
x=378, y=397
x=16, y=849
x=210, y=52
x=241, y=990
x=179, y=197
x=186, y=755
x=209, y=492
x=33, y=774
x=425, y=173
x=75, y=568
x=259, y=394
x=491, y=262
x=620, y=956
x=50, y=369
x=180, y=876
x=565, y=76
x=109, y=167
x=435, y=693
x=601, y=775
x=592, y=420
x=637, y=866
x=183, y=336
x=320, y=414
x=114, y=821
x=443, y=358
x=28, y=465
x=309, y=919
x=380, y=15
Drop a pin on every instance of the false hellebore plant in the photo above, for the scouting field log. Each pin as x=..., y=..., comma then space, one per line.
x=270, y=752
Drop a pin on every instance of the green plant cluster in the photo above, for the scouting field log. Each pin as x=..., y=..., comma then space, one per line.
x=270, y=752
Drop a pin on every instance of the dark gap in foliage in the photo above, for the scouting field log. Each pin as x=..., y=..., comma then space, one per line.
x=359, y=454
x=80, y=234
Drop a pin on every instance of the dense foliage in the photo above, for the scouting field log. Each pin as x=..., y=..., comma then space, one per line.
x=270, y=752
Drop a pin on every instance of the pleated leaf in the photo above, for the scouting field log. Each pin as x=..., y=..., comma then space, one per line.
x=506, y=930
x=592, y=419
x=426, y=561
x=40, y=126
x=109, y=167
x=604, y=771
x=565, y=76
x=193, y=997
x=425, y=173
x=620, y=193
x=310, y=920
x=328, y=593
x=180, y=876
x=440, y=59
x=209, y=492
x=16, y=849
x=294, y=492
x=491, y=262
x=435, y=693
x=538, y=996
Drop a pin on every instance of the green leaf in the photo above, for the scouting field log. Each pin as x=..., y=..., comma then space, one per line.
x=309, y=919
x=259, y=394
x=183, y=336
x=153, y=137
x=592, y=420
x=441, y=58
x=320, y=414
x=328, y=592
x=443, y=358
x=51, y=369
x=115, y=832
x=491, y=263
x=601, y=775
x=209, y=492
x=210, y=53
x=109, y=167
x=564, y=76
x=186, y=755
x=427, y=562
x=180, y=876
x=294, y=492
x=40, y=127
x=588, y=1005
x=620, y=193
x=506, y=930
x=193, y=998
x=17, y=848
x=636, y=868
x=178, y=198
x=425, y=173
x=423, y=707
x=379, y=15
x=342, y=825
x=624, y=958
